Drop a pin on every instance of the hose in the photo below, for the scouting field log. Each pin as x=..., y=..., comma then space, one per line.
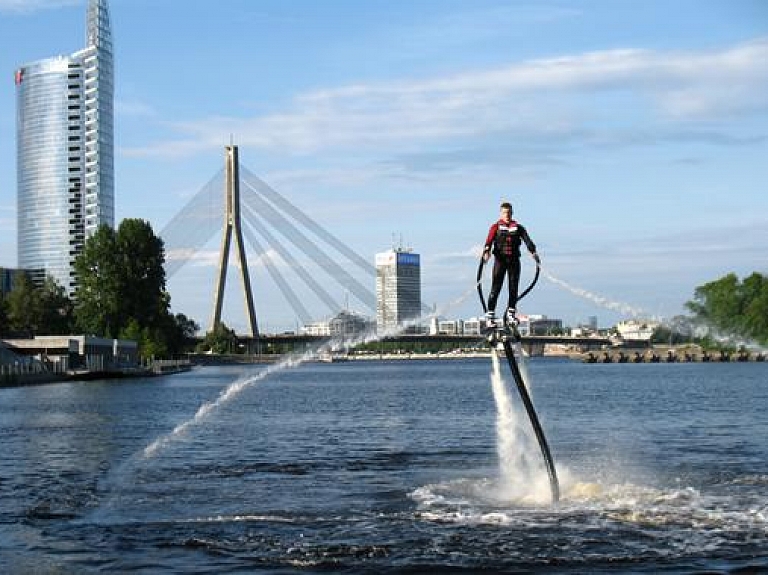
x=520, y=382
x=524, y=293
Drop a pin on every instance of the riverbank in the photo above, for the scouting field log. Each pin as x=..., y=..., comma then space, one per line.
x=670, y=355
x=14, y=376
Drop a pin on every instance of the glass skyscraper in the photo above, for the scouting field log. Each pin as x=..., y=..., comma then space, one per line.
x=65, y=152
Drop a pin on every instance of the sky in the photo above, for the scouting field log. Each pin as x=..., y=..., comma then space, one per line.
x=630, y=137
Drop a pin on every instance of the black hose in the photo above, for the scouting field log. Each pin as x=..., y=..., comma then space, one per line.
x=520, y=382
x=537, y=429
x=480, y=284
x=525, y=292
x=533, y=283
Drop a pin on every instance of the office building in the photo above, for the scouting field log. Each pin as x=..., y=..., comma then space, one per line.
x=398, y=289
x=65, y=152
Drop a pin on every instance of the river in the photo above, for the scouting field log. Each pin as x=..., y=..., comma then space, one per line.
x=388, y=467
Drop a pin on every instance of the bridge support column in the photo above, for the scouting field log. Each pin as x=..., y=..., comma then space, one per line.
x=232, y=227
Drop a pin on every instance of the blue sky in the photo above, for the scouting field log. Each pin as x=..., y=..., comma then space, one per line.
x=631, y=137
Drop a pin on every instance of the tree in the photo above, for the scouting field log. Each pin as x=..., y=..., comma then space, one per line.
x=755, y=322
x=24, y=306
x=182, y=333
x=32, y=310
x=220, y=340
x=141, y=257
x=734, y=307
x=56, y=309
x=3, y=315
x=121, y=289
x=97, y=297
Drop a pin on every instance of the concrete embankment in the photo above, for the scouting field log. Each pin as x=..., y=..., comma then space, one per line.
x=22, y=375
x=669, y=355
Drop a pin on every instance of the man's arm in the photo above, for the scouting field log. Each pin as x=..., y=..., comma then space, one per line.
x=529, y=244
x=489, y=241
x=491, y=236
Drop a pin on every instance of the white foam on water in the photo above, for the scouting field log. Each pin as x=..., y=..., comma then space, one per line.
x=693, y=519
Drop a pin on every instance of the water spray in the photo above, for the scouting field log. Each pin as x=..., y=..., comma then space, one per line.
x=505, y=336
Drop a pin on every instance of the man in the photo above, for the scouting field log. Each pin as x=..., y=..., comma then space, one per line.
x=504, y=239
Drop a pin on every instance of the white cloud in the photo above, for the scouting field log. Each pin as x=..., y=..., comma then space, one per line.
x=30, y=6
x=538, y=97
x=134, y=109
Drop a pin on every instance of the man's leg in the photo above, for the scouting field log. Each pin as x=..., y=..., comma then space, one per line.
x=512, y=282
x=499, y=271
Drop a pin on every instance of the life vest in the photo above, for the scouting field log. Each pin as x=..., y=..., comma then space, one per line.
x=507, y=241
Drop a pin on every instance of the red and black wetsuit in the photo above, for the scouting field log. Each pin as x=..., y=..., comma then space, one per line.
x=504, y=239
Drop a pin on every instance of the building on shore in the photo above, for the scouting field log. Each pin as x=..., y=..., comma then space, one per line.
x=398, y=289
x=539, y=325
x=636, y=331
x=72, y=352
x=345, y=324
x=65, y=152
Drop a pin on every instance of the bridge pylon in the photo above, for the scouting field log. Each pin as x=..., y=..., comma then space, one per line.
x=232, y=226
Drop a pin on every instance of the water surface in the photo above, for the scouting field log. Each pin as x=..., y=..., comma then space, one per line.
x=386, y=467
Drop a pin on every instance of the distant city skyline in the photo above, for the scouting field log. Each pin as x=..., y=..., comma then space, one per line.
x=629, y=137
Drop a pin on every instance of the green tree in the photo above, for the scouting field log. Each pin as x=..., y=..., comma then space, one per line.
x=734, y=307
x=141, y=256
x=100, y=282
x=56, y=308
x=4, y=328
x=755, y=312
x=181, y=332
x=122, y=292
x=24, y=306
x=221, y=340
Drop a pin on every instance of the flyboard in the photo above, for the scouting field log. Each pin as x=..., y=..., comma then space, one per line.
x=506, y=335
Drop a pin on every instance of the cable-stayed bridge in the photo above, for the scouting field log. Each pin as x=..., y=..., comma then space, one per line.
x=246, y=209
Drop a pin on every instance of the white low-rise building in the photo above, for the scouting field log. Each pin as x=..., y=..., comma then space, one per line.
x=636, y=330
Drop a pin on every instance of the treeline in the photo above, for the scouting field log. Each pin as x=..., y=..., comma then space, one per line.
x=121, y=293
x=723, y=311
x=734, y=307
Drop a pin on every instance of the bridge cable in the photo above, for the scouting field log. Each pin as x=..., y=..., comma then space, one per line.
x=280, y=201
x=194, y=225
x=254, y=221
x=282, y=285
x=295, y=236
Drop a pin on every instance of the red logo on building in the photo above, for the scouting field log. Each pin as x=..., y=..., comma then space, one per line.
x=19, y=76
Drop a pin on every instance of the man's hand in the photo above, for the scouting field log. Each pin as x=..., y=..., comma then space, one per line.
x=486, y=255
x=536, y=258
